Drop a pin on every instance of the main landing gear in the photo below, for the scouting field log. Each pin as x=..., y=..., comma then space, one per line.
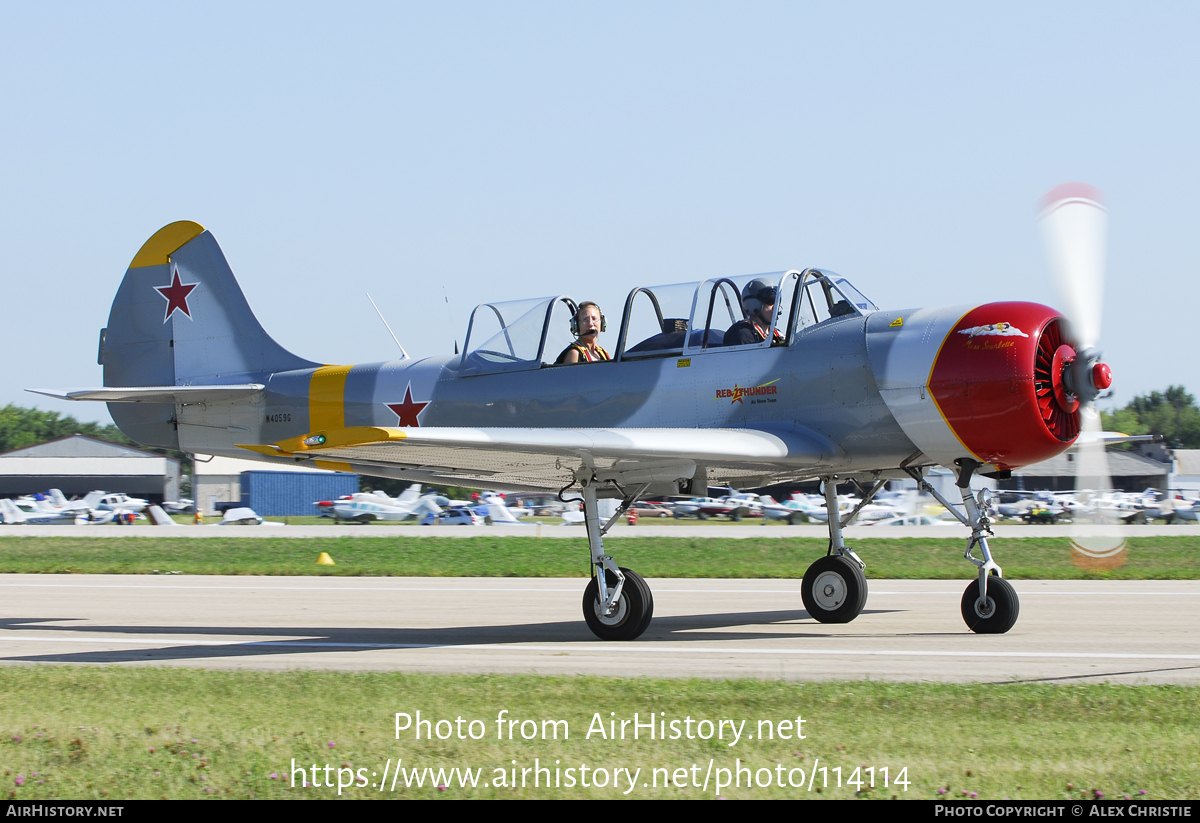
x=990, y=604
x=834, y=588
x=617, y=603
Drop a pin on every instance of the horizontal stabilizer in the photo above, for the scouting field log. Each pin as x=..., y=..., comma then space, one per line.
x=157, y=394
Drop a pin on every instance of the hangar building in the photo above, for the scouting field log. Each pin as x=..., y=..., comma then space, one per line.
x=1131, y=472
x=79, y=464
x=1186, y=474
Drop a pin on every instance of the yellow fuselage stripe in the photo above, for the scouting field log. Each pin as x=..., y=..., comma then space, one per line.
x=327, y=398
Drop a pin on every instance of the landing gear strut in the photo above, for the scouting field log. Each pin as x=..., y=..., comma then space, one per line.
x=990, y=604
x=834, y=588
x=617, y=603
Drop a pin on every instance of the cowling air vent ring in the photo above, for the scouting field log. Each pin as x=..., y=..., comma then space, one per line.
x=1059, y=409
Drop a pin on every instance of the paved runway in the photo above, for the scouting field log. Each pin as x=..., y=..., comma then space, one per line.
x=646, y=528
x=1126, y=631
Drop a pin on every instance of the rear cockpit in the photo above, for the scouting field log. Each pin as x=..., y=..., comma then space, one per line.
x=682, y=319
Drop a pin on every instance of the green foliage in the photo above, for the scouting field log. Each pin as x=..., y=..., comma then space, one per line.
x=21, y=427
x=116, y=734
x=396, y=554
x=1173, y=414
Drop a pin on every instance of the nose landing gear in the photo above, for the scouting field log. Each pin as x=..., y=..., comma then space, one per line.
x=994, y=614
x=990, y=604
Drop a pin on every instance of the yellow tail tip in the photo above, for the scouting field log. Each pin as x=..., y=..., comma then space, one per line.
x=325, y=560
x=165, y=242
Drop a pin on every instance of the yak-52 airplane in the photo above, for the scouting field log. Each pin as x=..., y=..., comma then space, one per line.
x=836, y=389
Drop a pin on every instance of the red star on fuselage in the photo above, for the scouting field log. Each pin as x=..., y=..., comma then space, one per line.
x=176, y=295
x=408, y=410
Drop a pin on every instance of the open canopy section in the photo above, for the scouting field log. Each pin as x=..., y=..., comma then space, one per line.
x=664, y=321
x=517, y=334
x=656, y=321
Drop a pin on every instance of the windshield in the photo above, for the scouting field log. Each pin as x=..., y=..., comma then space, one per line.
x=824, y=296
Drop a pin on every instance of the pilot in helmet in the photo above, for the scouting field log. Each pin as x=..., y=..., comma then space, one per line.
x=758, y=306
x=586, y=325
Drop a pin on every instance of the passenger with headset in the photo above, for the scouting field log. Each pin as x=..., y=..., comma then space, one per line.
x=758, y=306
x=586, y=325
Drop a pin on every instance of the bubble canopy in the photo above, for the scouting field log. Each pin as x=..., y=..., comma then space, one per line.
x=662, y=321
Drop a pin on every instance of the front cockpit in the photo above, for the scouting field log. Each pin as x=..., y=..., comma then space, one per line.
x=682, y=319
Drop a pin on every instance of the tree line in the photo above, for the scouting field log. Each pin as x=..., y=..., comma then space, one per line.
x=1172, y=413
x=21, y=427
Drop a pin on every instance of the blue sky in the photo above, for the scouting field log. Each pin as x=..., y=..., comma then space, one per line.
x=494, y=151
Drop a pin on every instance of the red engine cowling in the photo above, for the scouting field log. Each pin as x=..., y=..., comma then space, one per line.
x=998, y=381
x=988, y=383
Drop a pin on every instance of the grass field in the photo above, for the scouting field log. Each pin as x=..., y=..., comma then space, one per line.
x=152, y=733
x=1157, y=558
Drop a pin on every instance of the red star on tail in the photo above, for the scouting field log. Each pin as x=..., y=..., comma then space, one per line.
x=176, y=295
x=408, y=410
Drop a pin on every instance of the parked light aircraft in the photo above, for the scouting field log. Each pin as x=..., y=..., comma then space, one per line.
x=836, y=390
x=365, y=507
x=13, y=515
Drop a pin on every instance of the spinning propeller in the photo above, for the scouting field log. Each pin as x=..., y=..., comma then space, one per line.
x=1074, y=224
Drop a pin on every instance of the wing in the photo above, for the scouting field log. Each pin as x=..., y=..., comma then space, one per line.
x=546, y=459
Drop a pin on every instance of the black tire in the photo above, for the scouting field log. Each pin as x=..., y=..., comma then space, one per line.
x=1005, y=607
x=632, y=615
x=834, y=590
x=795, y=519
x=736, y=515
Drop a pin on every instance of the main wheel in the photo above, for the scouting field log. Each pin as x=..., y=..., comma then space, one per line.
x=834, y=590
x=998, y=614
x=632, y=614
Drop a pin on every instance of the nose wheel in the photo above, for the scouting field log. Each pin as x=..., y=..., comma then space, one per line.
x=629, y=616
x=996, y=613
x=834, y=590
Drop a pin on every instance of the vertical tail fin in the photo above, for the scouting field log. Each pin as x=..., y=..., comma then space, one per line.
x=180, y=319
x=9, y=513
